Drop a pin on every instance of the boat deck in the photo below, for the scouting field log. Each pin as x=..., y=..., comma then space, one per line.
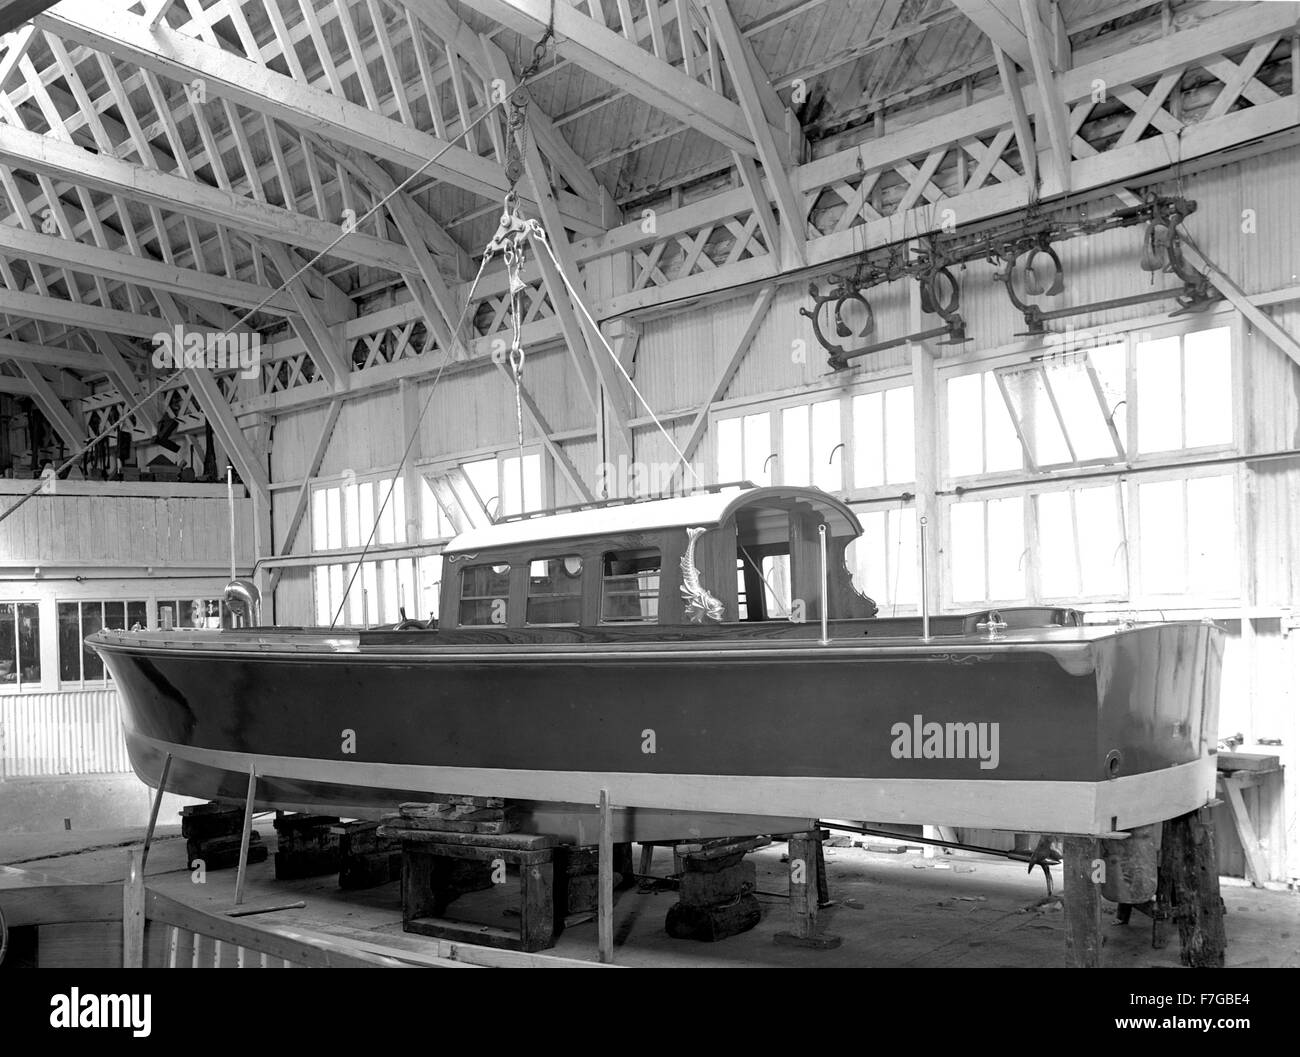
x=892, y=910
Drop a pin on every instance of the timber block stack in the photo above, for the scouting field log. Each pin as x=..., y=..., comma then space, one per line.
x=458, y=814
x=366, y=859
x=213, y=833
x=577, y=877
x=306, y=846
x=462, y=844
x=716, y=898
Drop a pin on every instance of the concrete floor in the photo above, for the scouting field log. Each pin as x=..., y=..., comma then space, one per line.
x=891, y=910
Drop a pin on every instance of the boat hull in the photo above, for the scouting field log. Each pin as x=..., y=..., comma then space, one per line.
x=1061, y=731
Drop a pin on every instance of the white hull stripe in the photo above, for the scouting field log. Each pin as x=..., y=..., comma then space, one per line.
x=1053, y=807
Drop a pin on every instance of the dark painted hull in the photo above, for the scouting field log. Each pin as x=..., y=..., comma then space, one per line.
x=1071, y=729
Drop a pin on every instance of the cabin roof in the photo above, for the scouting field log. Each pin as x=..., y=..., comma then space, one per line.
x=703, y=510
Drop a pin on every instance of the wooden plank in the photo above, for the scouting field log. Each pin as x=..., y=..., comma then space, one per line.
x=1019, y=116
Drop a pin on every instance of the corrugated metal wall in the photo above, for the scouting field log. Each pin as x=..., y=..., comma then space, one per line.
x=68, y=732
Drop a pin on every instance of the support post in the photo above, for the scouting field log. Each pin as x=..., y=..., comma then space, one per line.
x=806, y=862
x=605, y=881
x=1083, y=937
x=1189, y=890
x=245, y=835
x=153, y=811
x=133, y=911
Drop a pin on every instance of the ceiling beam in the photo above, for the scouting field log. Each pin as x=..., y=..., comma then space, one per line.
x=1011, y=88
x=33, y=152
x=120, y=372
x=1053, y=108
x=323, y=346
x=615, y=59
x=261, y=89
x=790, y=204
x=58, y=416
x=51, y=355
x=1002, y=22
x=111, y=264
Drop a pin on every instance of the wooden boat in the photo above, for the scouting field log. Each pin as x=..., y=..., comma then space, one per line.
x=641, y=648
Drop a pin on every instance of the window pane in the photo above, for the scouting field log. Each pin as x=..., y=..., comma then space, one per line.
x=1082, y=410
x=1207, y=367
x=368, y=589
x=407, y=597
x=1006, y=545
x=337, y=580
x=29, y=642
x=731, y=464
x=137, y=614
x=901, y=558
x=115, y=615
x=1057, y=575
x=555, y=591
x=1159, y=395
x=9, y=666
x=1027, y=390
x=1110, y=363
x=333, y=518
x=630, y=587
x=483, y=476
x=430, y=578
x=69, y=641
x=1212, y=562
x=1001, y=441
x=965, y=425
x=1164, y=537
x=484, y=593
x=966, y=546
x=776, y=585
x=793, y=463
x=92, y=620
x=828, y=464
x=758, y=446
x=319, y=519
x=388, y=592
x=868, y=440
x=321, y=584
x=900, y=439
x=1102, y=553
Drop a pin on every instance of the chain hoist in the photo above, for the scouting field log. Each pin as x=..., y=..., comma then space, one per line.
x=513, y=233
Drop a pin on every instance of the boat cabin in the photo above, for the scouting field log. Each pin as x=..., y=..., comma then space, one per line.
x=729, y=555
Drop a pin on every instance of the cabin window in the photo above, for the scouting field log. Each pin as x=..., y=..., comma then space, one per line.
x=484, y=594
x=20, y=644
x=763, y=582
x=629, y=590
x=555, y=590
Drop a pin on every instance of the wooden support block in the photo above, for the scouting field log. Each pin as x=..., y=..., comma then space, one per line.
x=434, y=875
x=1083, y=938
x=709, y=924
x=703, y=889
x=204, y=821
x=306, y=846
x=1189, y=890
x=221, y=853
x=500, y=841
x=605, y=900
x=804, y=865
x=370, y=869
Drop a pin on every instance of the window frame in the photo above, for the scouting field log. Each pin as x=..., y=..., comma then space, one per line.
x=642, y=594
x=19, y=686
x=846, y=449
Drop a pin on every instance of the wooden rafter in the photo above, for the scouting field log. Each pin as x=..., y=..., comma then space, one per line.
x=1053, y=108
x=616, y=59
x=248, y=84
x=310, y=326
x=741, y=63
x=58, y=416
